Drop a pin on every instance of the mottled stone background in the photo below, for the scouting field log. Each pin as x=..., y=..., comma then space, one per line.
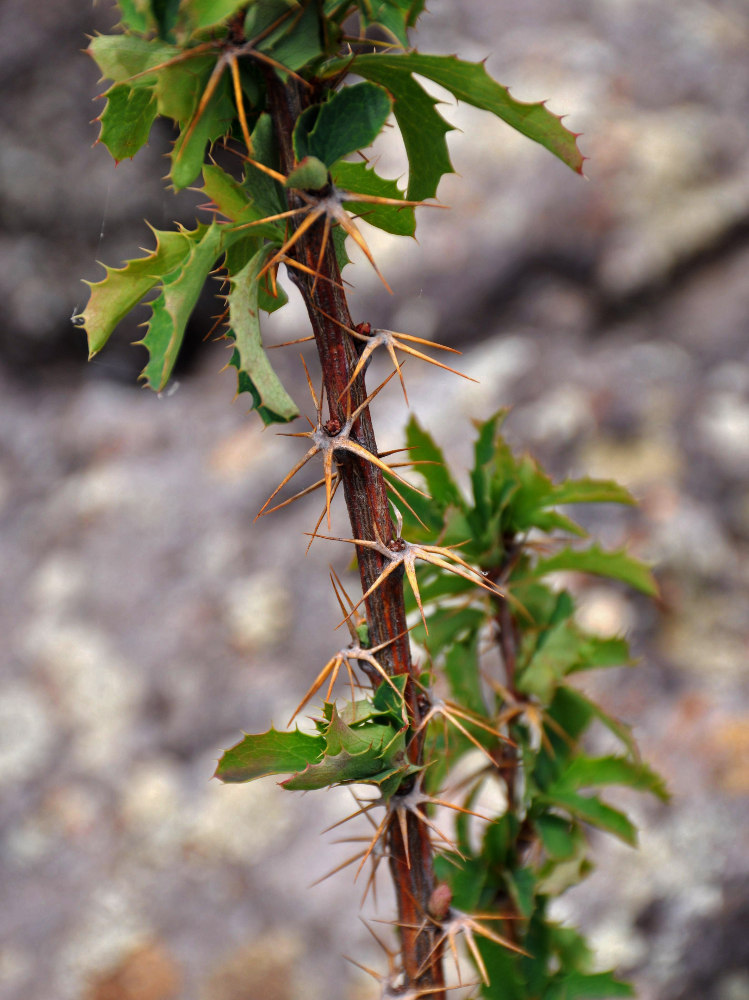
x=146, y=620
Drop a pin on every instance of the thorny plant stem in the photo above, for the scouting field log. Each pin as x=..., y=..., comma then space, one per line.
x=366, y=500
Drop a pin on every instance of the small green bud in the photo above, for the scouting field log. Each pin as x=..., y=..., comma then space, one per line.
x=309, y=175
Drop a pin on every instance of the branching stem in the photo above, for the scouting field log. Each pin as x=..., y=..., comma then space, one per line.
x=365, y=491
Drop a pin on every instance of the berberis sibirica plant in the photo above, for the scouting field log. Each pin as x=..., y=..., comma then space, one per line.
x=491, y=690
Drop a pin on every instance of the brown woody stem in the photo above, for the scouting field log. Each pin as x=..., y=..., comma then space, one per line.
x=366, y=498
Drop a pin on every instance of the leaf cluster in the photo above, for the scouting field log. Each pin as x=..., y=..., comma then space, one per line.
x=554, y=788
x=522, y=725
x=204, y=65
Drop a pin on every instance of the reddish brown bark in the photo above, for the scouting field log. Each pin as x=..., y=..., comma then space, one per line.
x=365, y=494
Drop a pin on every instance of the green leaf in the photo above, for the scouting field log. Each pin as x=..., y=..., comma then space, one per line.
x=351, y=120
x=298, y=40
x=268, y=753
x=462, y=672
x=482, y=473
x=127, y=119
x=422, y=128
x=596, y=652
x=263, y=14
x=616, y=565
x=135, y=14
x=254, y=372
x=227, y=194
x=558, y=836
x=564, y=649
x=366, y=753
x=165, y=15
x=584, y=706
x=447, y=626
x=358, y=178
x=587, y=986
x=180, y=86
x=120, y=57
x=201, y=129
x=205, y=13
x=265, y=193
x=436, y=584
x=466, y=877
x=591, y=810
x=507, y=981
x=388, y=701
x=552, y=520
x=471, y=83
x=591, y=491
x=437, y=477
x=392, y=15
x=521, y=883
x=177, y=77
x=553, y=658
x=121, y=290
x=591, y=772
x=172, y=309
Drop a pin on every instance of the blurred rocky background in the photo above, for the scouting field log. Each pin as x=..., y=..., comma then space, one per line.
x=146, y=620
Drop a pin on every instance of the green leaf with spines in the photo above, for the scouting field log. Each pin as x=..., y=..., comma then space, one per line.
x=590, y=809
x=254, y=372
x=389, y=698
x=563, y=649
x=265, y=193
x=462, y=672
x=482, y=474
x=274, y=752
x=199, y=131
x=589, y=490
x=617, y=565
x=545, y=608
x=180, y=87
x=469, y=82
x=200, y=14
x=392, y=15
x=587, y=986
x=298, y=40
x=358, y=178
x=172, y=309
x=349, y=121
x=422, y=128
x=127, y=119
x=440, y=484
x=136, y=15
x=370, y=752
x=591, y=772
x=122, y=288
x=231, y=198
x=121, y=57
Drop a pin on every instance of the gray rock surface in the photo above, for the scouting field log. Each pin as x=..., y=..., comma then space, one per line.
x=147, y=620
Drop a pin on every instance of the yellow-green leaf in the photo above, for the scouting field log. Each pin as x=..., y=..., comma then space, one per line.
x=122, y=289
x=254, y=372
